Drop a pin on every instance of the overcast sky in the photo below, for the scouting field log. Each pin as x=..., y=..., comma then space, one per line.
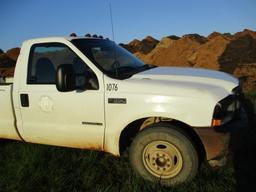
x=25, y=19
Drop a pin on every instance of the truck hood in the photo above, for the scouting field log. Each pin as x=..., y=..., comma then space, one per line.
x=190, y=75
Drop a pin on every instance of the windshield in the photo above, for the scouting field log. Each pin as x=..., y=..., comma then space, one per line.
x=110, y=58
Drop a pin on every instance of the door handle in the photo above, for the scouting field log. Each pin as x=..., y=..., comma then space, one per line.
x=24, y=100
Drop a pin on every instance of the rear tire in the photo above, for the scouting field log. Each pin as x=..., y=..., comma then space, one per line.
x=162, y=153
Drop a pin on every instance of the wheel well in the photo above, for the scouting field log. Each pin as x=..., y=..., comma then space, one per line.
x=132, y=129
x=128, y=133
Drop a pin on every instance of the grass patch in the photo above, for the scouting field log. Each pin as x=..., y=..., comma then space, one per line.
x=31, y=167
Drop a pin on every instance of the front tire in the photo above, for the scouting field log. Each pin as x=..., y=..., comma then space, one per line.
x=162, y=153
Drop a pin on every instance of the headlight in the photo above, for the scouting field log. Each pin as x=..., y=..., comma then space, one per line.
x=225, y=110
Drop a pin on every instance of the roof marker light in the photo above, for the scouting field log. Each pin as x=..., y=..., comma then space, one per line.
x=73, y=35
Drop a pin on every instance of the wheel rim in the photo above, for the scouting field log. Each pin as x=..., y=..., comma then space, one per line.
x=162, y=159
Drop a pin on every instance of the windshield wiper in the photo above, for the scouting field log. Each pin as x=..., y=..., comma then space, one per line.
x=128, y=71
x=125, y=68
x=145, y=67
x=148, y=66
x=122, y=71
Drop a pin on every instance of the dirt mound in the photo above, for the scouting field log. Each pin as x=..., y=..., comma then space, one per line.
x=145, y=46
x=207, y=55
x=245, y=32
x=8, y=61
x=133, y=46
x=7, y=72
x=195, y=37
x=174, y=51
x=240, y=51
x=247, y=73
x=13, y=53
x=215, y=34
x=6, y=65
x=224, y=53
x=173, y=37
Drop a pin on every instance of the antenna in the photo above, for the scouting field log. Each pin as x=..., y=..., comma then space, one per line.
x=111, y=19
x=113, y=37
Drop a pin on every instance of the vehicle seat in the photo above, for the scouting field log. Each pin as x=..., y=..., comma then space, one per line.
x=45, y=71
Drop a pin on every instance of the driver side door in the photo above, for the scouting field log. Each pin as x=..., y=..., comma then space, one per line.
x=73, y=119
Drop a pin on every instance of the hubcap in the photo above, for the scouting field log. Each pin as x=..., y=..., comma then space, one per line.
x=162, y=159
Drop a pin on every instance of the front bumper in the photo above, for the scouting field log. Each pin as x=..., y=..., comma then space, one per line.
x=216, y=139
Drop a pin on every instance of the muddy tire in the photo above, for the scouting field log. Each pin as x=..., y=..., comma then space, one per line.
x=164, y=154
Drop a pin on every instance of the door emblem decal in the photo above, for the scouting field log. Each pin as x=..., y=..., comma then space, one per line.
x=46, y=104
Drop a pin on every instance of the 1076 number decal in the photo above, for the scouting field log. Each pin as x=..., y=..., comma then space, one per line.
x=112, y=87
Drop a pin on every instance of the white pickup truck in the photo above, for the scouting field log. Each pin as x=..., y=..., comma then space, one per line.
x=89, y=93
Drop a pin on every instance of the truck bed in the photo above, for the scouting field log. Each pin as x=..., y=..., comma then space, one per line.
x=6, y=81
x=7, y=118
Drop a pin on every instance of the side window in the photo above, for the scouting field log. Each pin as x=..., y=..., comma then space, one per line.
x=46, y=57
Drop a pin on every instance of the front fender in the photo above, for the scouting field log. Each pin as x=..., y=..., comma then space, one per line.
x=190, y=111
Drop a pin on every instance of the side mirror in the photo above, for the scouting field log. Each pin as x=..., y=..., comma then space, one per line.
x=65, y=78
